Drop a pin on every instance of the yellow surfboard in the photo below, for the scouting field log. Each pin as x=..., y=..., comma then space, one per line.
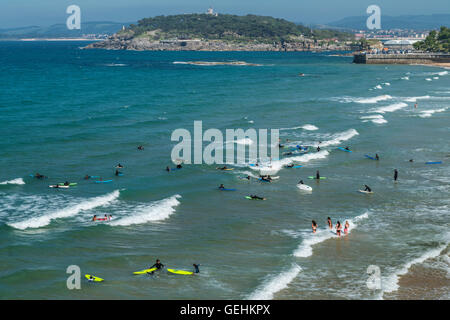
x=180, y=271
x=93, y=278
x=145, y=271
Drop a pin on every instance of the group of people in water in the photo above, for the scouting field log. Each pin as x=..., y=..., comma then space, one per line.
x=106, y=218
x=338, y=226
x=159, y=266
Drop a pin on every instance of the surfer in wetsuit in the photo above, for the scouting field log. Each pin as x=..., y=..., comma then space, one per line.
x=318, y=148
x=39, y=176
x=300, y=182
x=317, y=175
x=196, y=269
x=347, y=148
x=290, y=165
x=411, y=160
x=314, y=226
x=221, y=186
x=66, y=183
x=223, y=168
x=167, y=169
x=256, y=197
x=141, y=147
x=179, y=166
x=367, y=188
x=377, y=157
x=395, y=175
x=158, y=265
x=248, y=177
x=117, y=172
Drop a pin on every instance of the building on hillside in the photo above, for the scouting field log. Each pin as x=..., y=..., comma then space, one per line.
x=211, y=12
x=400, y=44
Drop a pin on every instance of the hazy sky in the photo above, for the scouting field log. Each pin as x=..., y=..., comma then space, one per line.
x=15, y=13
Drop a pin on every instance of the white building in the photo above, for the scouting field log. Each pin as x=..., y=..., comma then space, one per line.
x=211, y=12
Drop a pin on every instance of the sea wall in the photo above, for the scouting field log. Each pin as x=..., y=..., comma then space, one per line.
x=407, y=58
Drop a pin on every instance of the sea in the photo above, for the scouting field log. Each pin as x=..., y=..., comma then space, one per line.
x=66, y=112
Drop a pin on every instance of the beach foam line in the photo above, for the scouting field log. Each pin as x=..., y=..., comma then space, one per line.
x=18, y=181
x=429, y=113
x=305, y=249
x=275, y=284
x=390, y=284
x=157, y=211
x=37, y=222
x=390, y=108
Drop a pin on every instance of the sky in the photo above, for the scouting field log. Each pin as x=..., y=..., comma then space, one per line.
x=18, y=13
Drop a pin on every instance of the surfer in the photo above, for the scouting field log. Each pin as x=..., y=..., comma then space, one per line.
x=300, y=182
x=314, y=226
x=411, y=160
x=346, y=227
x=117, y=172
x=179, y=166
x=338, y=228
x=367, y=188
x=223, y=168
x=290, y=165
x=288, y=154
x=256, y=197
x=119, y=166
x=248, y=177
x=141, y=147
x=330, y=224
x=158, y=265
x=66, y=183
x=196, y=269
x=347, y=148
x=318, y=148
x=167, y=169
x=377, y=157
x=39, y=176
x=395, y=175
x=317, y=175
x=221, y=186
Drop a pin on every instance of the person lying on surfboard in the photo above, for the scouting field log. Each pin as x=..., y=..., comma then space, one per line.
x=347, y=148
x=256, y=197
x=39, y=176
x=223, y=168
x=367, y=188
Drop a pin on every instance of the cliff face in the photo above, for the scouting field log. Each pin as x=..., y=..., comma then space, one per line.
x=117, y=42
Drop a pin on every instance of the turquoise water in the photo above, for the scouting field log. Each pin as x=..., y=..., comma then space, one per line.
x=67, y=112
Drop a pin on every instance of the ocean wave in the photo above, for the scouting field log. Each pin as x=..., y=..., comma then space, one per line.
x=414, y=99
x=308, y=127
x=275, y=284
x=14, y=181
x=390, y=108
x=37, y=222
x=340, y=137
x=378, y=119
x=390, y=283
x=374, y=99
x=429, y=113
x=157, y=211
x=276, y=165
x=305, y=249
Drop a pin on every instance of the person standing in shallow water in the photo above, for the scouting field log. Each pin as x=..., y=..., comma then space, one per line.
x=314, y=226
x=338, y=228
x=395, y=175
x=346, y=227
x=330, y=224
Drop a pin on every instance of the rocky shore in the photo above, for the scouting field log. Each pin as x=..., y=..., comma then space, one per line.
x=118, y=42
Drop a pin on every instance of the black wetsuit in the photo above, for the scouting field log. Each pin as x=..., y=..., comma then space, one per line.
x=367, y=188
x=158, y=266
x=395, y=175
x=256, y=197
x=196, y=268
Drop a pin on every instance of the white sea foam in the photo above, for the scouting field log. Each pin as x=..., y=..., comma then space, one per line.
x=244, y=141
x=88, y=204
x=14, y=181
x=390, y=283
x=340, y=137
x=305, y=249
x=275, y=284
x=428, y=79
x=374, y=99
x=308, y=127
x=390, y=108
x=429, y=113
x=443, y=73
x=157, y=211
x=414, y=99
x=405, y=78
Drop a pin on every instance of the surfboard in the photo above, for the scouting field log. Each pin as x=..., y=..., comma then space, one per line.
x=59, y=187
x=93, y=278
x=229, y=169
x=367, y=192
x=103, y=181
x=433, y=162
x=304, y=187
x=250, y=198
x=313, y=177
x=225, y=189
x=70, y=184
x=180, y=272
x=343, y=149
x=367, y=156
x=294, y=167
x=145, y=271
x=261, y=179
